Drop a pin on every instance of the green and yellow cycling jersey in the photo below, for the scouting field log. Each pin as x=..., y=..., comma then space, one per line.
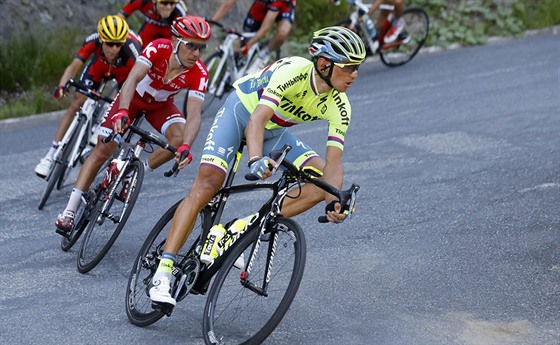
x=289, y=87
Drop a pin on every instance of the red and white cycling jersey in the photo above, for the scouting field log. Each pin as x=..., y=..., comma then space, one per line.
x=154, y=86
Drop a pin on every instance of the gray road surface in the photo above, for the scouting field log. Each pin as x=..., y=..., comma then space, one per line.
x=456, y=239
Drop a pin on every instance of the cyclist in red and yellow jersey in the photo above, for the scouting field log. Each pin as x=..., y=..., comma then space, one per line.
x=260, y=110
x=108, y=53
x=158, y=17
x=262, y=15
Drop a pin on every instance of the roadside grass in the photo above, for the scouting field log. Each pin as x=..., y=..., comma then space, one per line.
x=30, y=68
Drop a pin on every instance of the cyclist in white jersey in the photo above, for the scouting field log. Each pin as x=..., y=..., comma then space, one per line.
x=290, y=91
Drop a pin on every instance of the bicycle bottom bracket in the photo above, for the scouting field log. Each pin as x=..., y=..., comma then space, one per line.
x=187, y=278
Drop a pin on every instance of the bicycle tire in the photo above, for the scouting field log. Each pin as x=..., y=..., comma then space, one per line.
x=417, y=27
x=101, y=231
x=231, y=310
x=68, y=166
x=138, y=304
x=59, y=166
x=347, y=23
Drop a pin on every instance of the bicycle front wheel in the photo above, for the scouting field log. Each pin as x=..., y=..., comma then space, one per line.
x=409, y=42
x=58, y=171
x=245, y=306
x=109, y=217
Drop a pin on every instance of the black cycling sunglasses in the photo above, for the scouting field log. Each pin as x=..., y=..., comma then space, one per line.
x=114, y=44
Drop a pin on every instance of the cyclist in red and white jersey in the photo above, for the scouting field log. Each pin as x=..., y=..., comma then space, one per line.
x=108, y=53
x=260, y=18
x=158, y=17
x=260, y=110
x=164, y=68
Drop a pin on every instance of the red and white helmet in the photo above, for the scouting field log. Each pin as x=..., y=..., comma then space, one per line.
x=191, y=27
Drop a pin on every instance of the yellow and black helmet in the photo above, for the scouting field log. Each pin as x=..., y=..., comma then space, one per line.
x=112, y=29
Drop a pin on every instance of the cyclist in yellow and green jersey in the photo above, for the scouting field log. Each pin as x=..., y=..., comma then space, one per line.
x=260, y=110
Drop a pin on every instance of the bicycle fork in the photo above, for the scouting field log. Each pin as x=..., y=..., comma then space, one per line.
x=245, y=275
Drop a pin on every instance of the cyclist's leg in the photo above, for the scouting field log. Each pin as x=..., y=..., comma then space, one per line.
x=169, y=121
x=219, y=149
x=284, y=23
x=222, y=141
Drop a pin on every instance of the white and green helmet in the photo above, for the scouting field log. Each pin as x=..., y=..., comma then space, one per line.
x=338, y=44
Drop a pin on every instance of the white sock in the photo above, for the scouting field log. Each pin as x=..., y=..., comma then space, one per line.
x=147, y=168
x=52, y=150
x=74, y=201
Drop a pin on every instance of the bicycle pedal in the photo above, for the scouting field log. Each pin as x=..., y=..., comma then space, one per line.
x=164, y=308
x=63, y=233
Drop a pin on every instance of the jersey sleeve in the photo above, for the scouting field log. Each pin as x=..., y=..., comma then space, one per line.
x=198, y=80
x=273, y=92
x=131, y=7
x=339, y=120
x=88, y=47
x=155, y=51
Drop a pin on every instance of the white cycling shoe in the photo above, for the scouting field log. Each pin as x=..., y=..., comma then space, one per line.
x=160, y=292
x=44, y=167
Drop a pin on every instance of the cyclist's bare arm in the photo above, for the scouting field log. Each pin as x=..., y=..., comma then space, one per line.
x=333, y=175
x=71, y=71
x=224, y=8
x=192, y=126
x=266, y=26
x=375, y=5
x=137, y=73
x=254, y=132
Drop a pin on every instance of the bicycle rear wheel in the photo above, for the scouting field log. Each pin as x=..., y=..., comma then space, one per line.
x=138, y=304
x=409, y=41
x=235, y=313
x=105, y=226
x=59, y=167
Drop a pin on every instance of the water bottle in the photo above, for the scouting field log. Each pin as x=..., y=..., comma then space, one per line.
x=234, y=230
x=370, y=26
x=113, y=171
x=211, y=251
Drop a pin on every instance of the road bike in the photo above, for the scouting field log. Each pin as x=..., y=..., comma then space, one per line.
x=81, y=133
x=248, y=298
x=407, y=44
x=226, y=64
x=106, y=207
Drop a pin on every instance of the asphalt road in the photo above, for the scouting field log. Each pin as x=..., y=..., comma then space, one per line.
x=456, y=239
